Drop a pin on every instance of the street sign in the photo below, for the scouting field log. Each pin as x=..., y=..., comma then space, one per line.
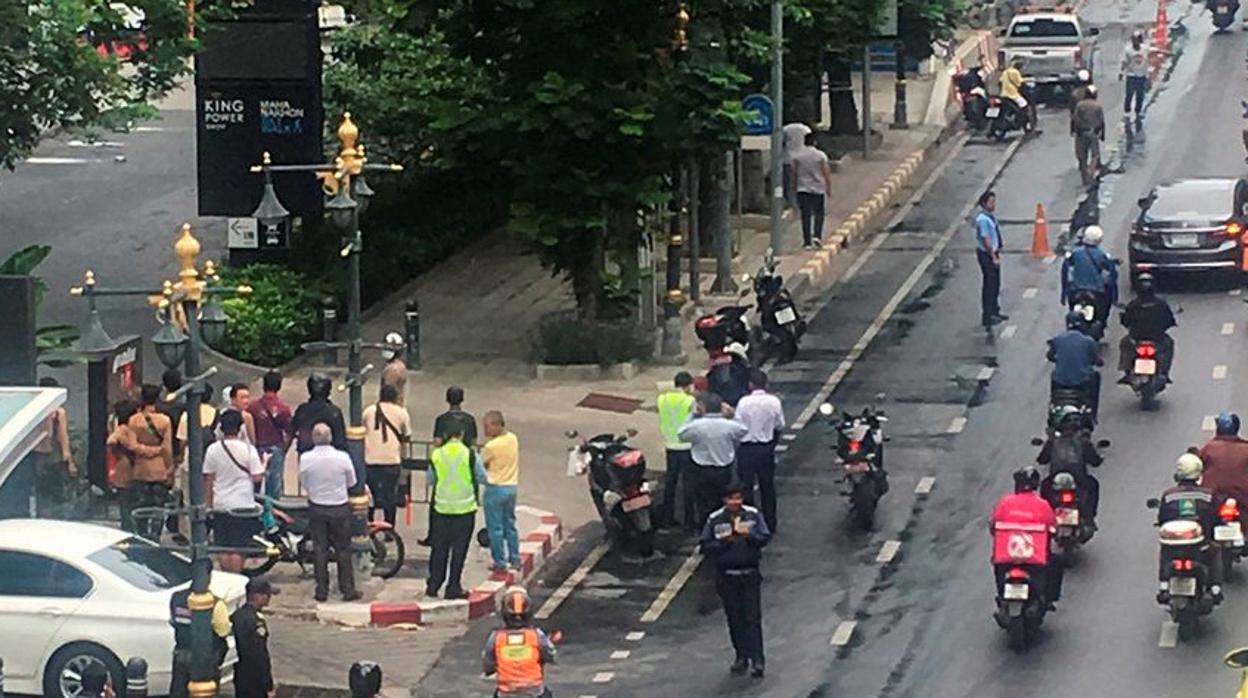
x=887, y=28
x=763, y=115
x=243, y=233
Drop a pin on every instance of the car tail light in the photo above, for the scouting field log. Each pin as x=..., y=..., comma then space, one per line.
x=1183, y=565
x=1229, y=511
x=1078, y=57
x=1146, y=350
x=1234, y=228
x=1067, y=497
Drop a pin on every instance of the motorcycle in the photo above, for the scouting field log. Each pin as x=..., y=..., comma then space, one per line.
x=1020, y=608
x=1223, y=12
x=1089, y=305
x=1186, y=591
x=725, y=326
x=781, y=326
x=860, y=451
x=1004, y=116
x=618, y=487
x=1228, y=536
x=1069, y=501
x=1144, y=378
x=973, y=94
x=286, y=532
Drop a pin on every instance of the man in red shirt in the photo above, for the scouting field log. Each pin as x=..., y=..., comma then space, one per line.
x=1021, y=528
x=271, y=415
x=1226, y=461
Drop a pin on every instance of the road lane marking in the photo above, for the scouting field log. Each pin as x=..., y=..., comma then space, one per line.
x=985, y=373
x=1169, y=636
x=1228, y=328
x=886, y=313
x=844, y=633
x=55, y=161
x=149, y=129
x=578, y=575
x=1050, y=259
x=1236, y=291
x=957, y=425
x=95, y=144
x=888, y=551
x=620, y=654
x=781, y=448
x=925, y=485
x=1008, y=331
x=673, y=588
x=1030, y=292
x=1219, y=372
x=791, y=436
x=635, y=636
x=1208, y=423
x=604, y=677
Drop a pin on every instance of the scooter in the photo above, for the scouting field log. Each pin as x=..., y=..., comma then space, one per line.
x=1144, y=378
x=860, y=452
x=1089, y=304
x=725, y=326
x=1228, y=536
x=973, y=94
x=1223, y=12
x=286, y=530
x=780, y=324
x=1186, y=591
x=617, y=484
x=1005, y=117
x=1020, y=608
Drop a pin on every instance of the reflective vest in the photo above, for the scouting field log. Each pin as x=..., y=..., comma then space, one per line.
x=518, y=655
x=454, y=492
x=675, y=406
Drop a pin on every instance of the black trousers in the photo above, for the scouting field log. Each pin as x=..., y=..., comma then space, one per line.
x=811, y=207
x=756, y=462
x=1137, y=87
x=383, y=482
x=452, y=534
x=709, y=490
x=990, y=294
x=679, y=464
x=331, y=526
x=742, y=597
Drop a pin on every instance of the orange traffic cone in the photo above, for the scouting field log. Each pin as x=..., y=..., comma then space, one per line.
x=1040, y=237
x=1161, y=35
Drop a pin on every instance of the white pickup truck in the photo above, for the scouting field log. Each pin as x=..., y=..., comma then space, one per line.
x=1053, y=46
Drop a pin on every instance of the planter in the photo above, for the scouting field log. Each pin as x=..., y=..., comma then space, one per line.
x=586, y=372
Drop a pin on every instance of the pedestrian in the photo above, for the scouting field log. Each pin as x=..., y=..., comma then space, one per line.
x=173, y=406
x=54, y=460
x=271, y=417
x=675, y=408
x=318, y=410
x=395, y=372
x=386, y=430
x=812, y=180
x=232, y=467
x=152, y=475
x=326, y=474
x=453, y=418
x=125, y=447
x=713, y=437
x=794, y=139
x=518, y=652
x=734, y=537
x=988, y=245
x=501, y=457
x=1087, y=125
x=180, y=616
x=763, y=415
x=253, y=674
x=453, y=475
x=1135, y=67
x=240, y=401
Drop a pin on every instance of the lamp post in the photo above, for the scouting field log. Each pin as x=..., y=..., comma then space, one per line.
x=189, y=303
x=348, y=197
x=674, y=298
x=776, y=222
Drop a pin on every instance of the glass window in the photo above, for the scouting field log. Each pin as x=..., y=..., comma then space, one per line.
x=27, y=574
x=144, y=565
x=1041, y=28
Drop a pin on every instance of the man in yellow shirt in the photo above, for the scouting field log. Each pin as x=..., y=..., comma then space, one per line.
x=501, y=454
x=1012, y=89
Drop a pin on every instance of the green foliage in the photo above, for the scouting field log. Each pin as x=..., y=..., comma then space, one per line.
x=564, y=339
x=922, y=22
x=54, y=344
x=51, y=77
x=283, y=310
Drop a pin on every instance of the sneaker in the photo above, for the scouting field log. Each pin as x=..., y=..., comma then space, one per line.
x=424, y=543
x=1001, y=317
x=739, y=666
x=454, y=595
x=353, y=596
x=321, y=597
x=818, y=243
x=431, y=593
x=758, y=667
x=1125, y=380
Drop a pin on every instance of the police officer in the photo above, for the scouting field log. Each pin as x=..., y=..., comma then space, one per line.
x=518, y=653
x=734, y=537
x=180, y=619
x=675, y=407
x=253, y=675
x=454, y=475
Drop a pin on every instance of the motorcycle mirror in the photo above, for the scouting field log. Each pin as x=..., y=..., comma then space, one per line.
x=1144, y=202
x=746, y=278
x=1103, y=443
x=631, y=432
x=556, y=637
x=745, y=291
x=571, y=434
x=1237, y=658
x=826, y=409
x=1094, y=31
x=1037, y=441
x=1152, y=503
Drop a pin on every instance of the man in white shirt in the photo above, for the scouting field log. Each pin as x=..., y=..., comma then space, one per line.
x=326, y=474
x=812, y=180
x=794, y=139
x=231, y=469
x=763, y=415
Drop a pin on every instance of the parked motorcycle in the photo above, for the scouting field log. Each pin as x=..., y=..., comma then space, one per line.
x=1144, y=378
x=780, y=325
x=860, y=452
x=973, y=94
x=286, y=530
x=617, y=484
x=725, y=326
x=1228, y=536
x=1186, y=591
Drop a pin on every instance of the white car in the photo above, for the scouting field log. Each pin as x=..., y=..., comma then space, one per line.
x=73, y=594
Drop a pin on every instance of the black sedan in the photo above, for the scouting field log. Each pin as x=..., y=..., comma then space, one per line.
x=1190, y=225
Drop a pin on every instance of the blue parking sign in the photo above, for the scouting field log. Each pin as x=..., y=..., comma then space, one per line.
x=762, y=115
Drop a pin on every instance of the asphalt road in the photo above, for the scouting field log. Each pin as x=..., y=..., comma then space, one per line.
x=963, y=405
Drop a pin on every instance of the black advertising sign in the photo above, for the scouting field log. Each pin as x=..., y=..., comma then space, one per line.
x=112, y=376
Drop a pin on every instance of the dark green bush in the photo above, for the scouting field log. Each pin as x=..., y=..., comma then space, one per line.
x=564, y=339
x=283, y=311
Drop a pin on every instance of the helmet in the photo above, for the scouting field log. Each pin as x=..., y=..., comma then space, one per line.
x=364, y=679
x=1137, y=36
x=1227, y=424
x=1188, y=467
x=1074, y=318
x=736, y=348
x=1084, y=76
x=394, y=345
x=1144, y=283
x=1090, y=90
x=516, y=607
x=319, y=385
x=1092, y=235
x=1026, y=479
x=1063, y=481
x=1062, y=413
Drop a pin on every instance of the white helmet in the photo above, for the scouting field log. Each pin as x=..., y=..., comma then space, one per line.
x=395, y=343
x=736, y=348
x=1093, y=235
x=1188, y=467
x=1084, y=76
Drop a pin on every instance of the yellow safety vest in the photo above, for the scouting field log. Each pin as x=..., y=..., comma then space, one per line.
x=454, y=492
x=675, y=406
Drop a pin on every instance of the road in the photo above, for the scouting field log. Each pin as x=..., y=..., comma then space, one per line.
x=963, y=405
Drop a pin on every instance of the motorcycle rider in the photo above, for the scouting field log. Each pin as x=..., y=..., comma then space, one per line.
x=1075, y=357
x=1070, y=450
x=730, y=377
x=518, y=652
x=1012, y=89
x=1087, y=125
x=1225, y=460
x=1188, y=500
x=1147, y=318
x=1089, y=268
x=1025, y=512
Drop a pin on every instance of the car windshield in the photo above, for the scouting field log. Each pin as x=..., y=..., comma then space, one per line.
x=1191, y=202
x=144, y=565
x=1041, y=28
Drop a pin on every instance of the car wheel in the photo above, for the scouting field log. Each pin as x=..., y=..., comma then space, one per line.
x=62, y=678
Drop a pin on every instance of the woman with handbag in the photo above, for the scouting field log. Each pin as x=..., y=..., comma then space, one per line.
x=387, y=429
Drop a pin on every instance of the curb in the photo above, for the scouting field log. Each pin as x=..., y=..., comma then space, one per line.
x=536, y=547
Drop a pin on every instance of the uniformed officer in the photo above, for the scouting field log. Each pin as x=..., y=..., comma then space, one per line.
x=675, y=406
x=253, y=675
x=518, y=653
x=180, y=619
x=734, y=537
x=454, y=475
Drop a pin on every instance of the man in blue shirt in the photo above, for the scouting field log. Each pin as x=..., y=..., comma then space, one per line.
x=1090, y=268
x=988, y=253
x=1075, y=357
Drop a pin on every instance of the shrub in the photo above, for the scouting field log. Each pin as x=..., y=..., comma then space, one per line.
x=564, y=339
x=282, y=312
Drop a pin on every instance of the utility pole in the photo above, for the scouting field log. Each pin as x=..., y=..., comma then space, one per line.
x=866, y=101
x=900, y=118
x=777, y=127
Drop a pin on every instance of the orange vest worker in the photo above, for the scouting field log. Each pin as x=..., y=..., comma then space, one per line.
x=519, y=658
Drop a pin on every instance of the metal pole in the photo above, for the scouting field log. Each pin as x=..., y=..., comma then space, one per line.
x=900, y=117
x=866, y=101
x=724, y=283
x=777, y=127
x=355, y=393
x=671, y=344
x=695, y=231
x=136, y=678
x=329, y=323
x=203, y=677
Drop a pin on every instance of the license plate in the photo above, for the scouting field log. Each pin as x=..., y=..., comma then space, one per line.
x=1017, y=592
x=1183, y=586
x=993, y=112
x=857, y=466
x=785, y=316
x=1183, y=241
x=1145, y=367
x=1228, y=533
x=636, y=503
x=1223, y=9
x=1067, y=517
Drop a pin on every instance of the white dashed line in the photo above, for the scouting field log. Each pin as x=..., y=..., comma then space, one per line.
x=673, y=588
x=1008, y=331
x=561, y=594
x=1050, y=259
x=888, y=551
x=1030, y=292
x=1236, y=291
x=1228, y=328
x=604, y=677
x=1169, y=636
x=957, y=425
x=781, y=448
x=635, y=636
x=620, y=654
x=1207, y=424
x=844, y=633
x=985, y=373
x=55, y=161
x=149, y=129
x=791, y=436
x=1219, y=372
x=925, y=485
x=587, y=695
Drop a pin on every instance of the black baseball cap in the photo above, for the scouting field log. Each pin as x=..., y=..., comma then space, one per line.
x=261, y=585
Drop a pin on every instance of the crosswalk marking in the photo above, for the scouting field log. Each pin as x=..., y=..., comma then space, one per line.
x=844, y=632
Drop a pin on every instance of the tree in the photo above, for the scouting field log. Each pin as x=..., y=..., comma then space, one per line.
x=923, y=22
x=53, y=73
